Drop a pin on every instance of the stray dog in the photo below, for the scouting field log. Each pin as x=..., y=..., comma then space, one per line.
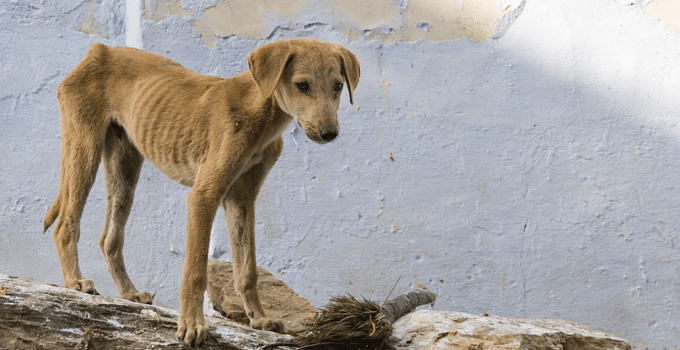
x=220, y=136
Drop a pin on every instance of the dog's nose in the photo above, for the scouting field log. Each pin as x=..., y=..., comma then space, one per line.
x=329, y=136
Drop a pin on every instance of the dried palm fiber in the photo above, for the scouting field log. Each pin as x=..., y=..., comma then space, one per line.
x=348, y=323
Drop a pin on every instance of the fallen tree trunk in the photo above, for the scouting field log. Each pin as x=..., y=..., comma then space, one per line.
x=40, y=316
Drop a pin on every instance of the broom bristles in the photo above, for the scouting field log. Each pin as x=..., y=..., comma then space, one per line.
x=346, y=322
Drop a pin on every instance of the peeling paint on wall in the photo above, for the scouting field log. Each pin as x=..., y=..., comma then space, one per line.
x=667, y=11
x=368, y=19
x=427, y=19
x=247, y=18
x=156, y=10
x=90, y=25
x=104, y=18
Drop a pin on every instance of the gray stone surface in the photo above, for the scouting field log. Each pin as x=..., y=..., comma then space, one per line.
x=434, y=330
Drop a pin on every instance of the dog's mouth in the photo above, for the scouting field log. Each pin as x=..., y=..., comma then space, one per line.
x=321, y=133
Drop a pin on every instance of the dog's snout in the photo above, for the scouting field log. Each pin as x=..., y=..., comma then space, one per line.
x=329, y=135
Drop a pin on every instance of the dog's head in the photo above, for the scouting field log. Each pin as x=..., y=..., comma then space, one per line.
x=306, y=76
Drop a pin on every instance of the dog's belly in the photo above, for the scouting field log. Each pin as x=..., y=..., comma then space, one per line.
x=184, y=174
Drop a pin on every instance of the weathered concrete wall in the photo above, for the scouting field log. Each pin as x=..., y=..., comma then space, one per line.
x=521, y=159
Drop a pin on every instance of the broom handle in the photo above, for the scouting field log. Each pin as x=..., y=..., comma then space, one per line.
x=403, y=304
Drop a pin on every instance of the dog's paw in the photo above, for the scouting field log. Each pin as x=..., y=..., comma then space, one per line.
x=268, y=324
x=84, y=285
x=191, y=331
x=139, y=297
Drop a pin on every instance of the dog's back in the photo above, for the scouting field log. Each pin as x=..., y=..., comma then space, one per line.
x=123, y=77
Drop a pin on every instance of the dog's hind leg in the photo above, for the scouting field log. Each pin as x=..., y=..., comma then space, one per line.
x=82, y=142
x=122, y=164
x=239, y=207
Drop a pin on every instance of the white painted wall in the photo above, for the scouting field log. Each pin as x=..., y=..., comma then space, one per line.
x=133, y=21
x=528, y=173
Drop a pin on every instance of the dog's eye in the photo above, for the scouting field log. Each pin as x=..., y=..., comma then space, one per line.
x=303, y=87
x=337, y=87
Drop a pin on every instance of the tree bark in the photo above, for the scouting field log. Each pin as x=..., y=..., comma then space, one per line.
x=40, y=316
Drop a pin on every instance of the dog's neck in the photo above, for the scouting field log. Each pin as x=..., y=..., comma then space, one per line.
x=274, y=118
x=280, y=119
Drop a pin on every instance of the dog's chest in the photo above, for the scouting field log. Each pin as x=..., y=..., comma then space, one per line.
x=184, y=172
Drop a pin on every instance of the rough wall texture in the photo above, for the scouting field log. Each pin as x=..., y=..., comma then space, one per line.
x=520, y=160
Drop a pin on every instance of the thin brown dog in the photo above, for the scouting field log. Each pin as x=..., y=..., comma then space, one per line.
x=220, y=136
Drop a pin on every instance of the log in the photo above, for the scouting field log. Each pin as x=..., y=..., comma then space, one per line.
x=41, y=316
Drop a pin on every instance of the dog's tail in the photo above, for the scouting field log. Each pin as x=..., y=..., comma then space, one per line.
x=53, y=212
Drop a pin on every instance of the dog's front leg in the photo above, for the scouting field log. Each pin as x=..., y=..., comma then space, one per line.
x=241, y=218
x=202, y=203
x=239, y=208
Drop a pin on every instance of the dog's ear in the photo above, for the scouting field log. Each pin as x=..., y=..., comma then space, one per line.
x=266, y=64
x=350, y=70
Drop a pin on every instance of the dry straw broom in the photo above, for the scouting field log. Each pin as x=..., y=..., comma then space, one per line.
x=348, y=323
